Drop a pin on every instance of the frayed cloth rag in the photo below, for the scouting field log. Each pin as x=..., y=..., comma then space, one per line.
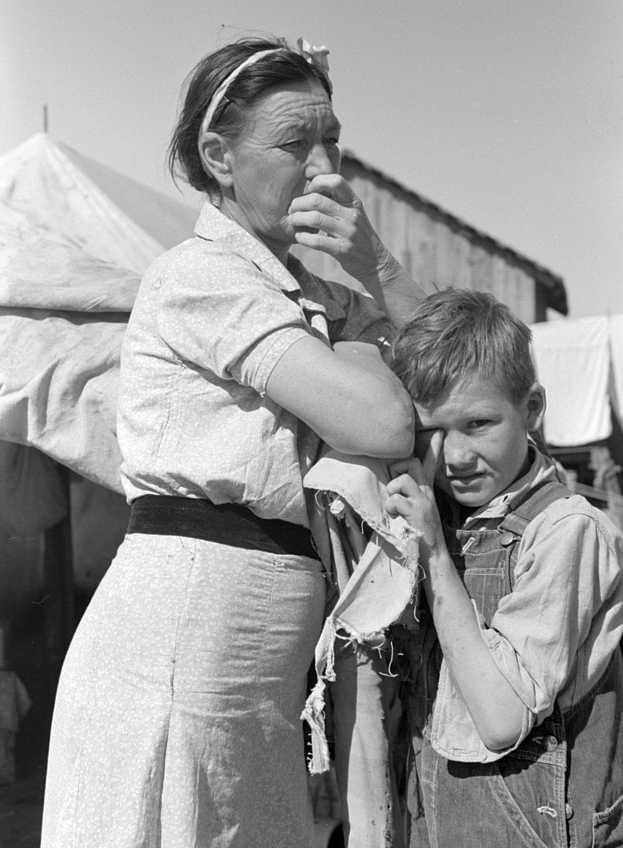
x=372, y=560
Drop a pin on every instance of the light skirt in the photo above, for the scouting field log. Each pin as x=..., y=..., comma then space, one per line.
x=176, y=722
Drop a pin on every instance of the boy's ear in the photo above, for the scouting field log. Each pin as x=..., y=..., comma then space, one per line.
x=215, y=155
x=535, y=407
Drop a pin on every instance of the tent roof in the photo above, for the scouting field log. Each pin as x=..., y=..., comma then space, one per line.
x=166, y=220
x=110, y=216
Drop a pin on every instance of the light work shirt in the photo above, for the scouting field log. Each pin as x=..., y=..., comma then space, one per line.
x=212, y=318
x=553, y=636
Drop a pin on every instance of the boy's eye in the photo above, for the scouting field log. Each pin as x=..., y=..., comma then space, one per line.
x=478, y=423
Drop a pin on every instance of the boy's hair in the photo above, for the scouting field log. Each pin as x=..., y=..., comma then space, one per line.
x=457, y=332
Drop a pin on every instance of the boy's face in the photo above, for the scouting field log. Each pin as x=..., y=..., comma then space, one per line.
x=485, y=440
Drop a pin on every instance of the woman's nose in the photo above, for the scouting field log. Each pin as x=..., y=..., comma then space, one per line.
x=322, y=160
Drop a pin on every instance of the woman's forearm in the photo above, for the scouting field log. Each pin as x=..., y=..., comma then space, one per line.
x=348, y=396
x=393, y=289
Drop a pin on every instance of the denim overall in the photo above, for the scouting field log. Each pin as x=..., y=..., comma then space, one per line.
x=563, y=786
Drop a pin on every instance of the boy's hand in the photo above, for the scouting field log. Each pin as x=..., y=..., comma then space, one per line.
x=411, y=495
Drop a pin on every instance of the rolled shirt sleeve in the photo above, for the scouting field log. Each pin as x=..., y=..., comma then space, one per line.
x=564, y=617
x=551, y=637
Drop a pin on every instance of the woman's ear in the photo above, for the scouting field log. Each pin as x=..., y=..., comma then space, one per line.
x=535, y=407
x=215, y=155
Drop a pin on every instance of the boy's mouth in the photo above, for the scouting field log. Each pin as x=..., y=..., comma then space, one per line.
x=465, y=479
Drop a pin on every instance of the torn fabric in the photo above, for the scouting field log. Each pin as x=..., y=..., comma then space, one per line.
x=373, y=561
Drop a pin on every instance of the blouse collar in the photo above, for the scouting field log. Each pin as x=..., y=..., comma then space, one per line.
x=213, y=225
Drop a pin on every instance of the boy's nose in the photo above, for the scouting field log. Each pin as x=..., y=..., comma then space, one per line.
x=458, y=452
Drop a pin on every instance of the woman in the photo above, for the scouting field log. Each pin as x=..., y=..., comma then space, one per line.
x=177, y=714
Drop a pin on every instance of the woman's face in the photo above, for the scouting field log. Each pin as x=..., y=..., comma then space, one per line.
x=290, y=136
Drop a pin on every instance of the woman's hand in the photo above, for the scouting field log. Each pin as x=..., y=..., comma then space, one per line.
x=329, y=217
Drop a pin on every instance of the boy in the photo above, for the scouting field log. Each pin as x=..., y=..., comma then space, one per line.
x=523, y=745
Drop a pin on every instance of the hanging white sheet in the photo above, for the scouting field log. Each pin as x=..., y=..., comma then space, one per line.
x=573, y=364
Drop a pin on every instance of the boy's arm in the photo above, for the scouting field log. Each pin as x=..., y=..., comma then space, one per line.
x=498, y=714
x=555, y=633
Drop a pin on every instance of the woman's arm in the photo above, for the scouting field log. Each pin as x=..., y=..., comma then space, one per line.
x=348, y=396
x=497, y=712
x=218, y=313
x=331, y=218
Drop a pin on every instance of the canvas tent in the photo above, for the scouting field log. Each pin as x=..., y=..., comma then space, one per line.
x=71, y=260
x=75, y=238
x=110, y=215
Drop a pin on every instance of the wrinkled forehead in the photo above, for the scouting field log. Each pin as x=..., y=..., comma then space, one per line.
x=302, y=105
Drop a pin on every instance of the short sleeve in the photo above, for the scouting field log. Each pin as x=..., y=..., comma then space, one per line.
x=219, y=312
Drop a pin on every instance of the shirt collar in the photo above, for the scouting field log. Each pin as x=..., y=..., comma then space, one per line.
x=213, y=225
x=542, y=469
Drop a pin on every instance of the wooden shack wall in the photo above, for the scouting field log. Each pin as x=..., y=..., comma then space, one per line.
x=432, y=251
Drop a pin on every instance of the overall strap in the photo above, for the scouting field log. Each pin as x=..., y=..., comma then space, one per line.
x=534, y=504
x=521, y=514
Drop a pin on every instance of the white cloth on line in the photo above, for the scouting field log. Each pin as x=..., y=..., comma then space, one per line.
x=573, y=364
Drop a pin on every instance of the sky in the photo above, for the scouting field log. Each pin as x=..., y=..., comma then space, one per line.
x=508, y=114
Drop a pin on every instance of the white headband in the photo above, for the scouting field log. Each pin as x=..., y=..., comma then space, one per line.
x=220, y=91
x=316, y=56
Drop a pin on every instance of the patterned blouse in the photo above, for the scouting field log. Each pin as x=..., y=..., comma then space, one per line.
x=212, y=318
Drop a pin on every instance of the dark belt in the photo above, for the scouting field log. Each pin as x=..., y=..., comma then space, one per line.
x=227, y=524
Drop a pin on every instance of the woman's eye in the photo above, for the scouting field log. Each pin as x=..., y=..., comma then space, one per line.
x=293, y=144
x=478, y=423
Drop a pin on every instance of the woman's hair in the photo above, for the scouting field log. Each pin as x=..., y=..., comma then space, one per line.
x=253, y=82
x=455, y=333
